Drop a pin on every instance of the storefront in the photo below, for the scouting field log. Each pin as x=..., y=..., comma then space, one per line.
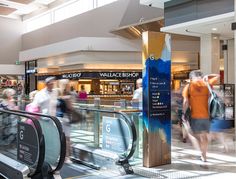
x=98, y=83
x=30, y=76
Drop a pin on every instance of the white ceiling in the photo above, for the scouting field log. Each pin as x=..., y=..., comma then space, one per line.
x=222, y=24
x=26, y=7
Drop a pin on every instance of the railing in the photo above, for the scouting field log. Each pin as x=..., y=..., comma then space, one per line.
x=56, y=163
x=9, y=124
x=128, y=121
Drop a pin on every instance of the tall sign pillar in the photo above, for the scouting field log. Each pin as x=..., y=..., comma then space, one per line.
x=156, y=56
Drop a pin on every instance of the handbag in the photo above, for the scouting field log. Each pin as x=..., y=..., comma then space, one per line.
x=76, y=116
x=215, y=105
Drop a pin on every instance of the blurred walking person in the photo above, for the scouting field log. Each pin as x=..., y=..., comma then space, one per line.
x=195, y=98
x=46, y=98
x=64, y=109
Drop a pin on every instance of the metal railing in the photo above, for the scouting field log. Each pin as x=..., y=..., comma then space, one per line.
x=131, y=125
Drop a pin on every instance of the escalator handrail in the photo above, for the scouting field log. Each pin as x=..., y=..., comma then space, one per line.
x=41, y=154
x=61, y=133
x=130, y=123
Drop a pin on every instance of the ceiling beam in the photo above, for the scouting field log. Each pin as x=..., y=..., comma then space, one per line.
x=22, y=1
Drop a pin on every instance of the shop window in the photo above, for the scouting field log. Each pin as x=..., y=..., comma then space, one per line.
x=38, y=22
x=73, y=9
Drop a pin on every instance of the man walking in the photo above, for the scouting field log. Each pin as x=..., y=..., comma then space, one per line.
x=195, y=97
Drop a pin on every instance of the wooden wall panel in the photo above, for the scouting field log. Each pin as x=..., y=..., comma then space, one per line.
x=6, y=10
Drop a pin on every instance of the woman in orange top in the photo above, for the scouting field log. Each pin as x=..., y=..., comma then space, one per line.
x=195, y=96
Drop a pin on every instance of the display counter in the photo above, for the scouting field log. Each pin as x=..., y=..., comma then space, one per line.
x=110, y=97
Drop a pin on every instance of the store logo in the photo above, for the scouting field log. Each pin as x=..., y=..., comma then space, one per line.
x=30, y=71
x=108, y=127
x=119, y=75
x=21, y=135
x=71, y=75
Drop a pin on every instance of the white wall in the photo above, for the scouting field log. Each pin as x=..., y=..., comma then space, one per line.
x=91, y=58
x=95, y=23
x=206, y=54
x=90, y=44
x=10, y=39
x=12, y=69
x=185, y=45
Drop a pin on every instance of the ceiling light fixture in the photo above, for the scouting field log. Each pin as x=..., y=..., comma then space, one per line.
x=214, y=29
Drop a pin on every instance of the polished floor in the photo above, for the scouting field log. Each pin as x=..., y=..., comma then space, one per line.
x=185, y=164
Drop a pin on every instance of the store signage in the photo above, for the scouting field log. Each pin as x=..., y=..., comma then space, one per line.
x=71, y=75
x=17, y=62
x=31, y=71
x=119, y=75
x=115, y=135
x=156, y=98
x=98, y=75
x=159, y=90
x=27, y=144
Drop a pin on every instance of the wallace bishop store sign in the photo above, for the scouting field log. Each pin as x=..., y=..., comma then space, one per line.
x=96, y=75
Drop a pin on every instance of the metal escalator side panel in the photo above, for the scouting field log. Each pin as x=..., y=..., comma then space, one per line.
x=24, y=120
x=13, y=169
x=61, y=157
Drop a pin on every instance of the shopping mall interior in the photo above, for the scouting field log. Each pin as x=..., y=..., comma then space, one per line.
x=94, y=52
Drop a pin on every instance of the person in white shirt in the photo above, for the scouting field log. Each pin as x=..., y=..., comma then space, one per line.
x=46, y=99
x=138, y=94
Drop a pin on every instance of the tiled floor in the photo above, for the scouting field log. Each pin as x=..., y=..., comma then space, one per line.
x=186, y=163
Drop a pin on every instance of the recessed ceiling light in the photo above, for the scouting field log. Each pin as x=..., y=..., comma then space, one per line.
x=214, y=29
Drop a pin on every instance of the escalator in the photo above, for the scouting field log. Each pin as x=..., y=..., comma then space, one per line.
x=25, y=158
x=51, y=149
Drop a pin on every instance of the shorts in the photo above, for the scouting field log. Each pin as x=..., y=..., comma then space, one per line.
x=200, y=125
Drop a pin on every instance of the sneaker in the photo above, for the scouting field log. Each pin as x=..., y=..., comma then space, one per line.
x=67, y=160
x=203, y=158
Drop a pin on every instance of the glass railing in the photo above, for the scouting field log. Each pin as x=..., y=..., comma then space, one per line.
x=21, y=139
x=107, y=104
x=106, y=129
x=55, y=143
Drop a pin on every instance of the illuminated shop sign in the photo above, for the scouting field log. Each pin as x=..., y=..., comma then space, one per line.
x=119, y=75
x=71, y=75
x=97, y=75
x=31, y=71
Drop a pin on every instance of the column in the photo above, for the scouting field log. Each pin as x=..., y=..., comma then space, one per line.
x=225, y=55
x=230, y=61
x=234, y=74
x=156, y=55
x=210, y=54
